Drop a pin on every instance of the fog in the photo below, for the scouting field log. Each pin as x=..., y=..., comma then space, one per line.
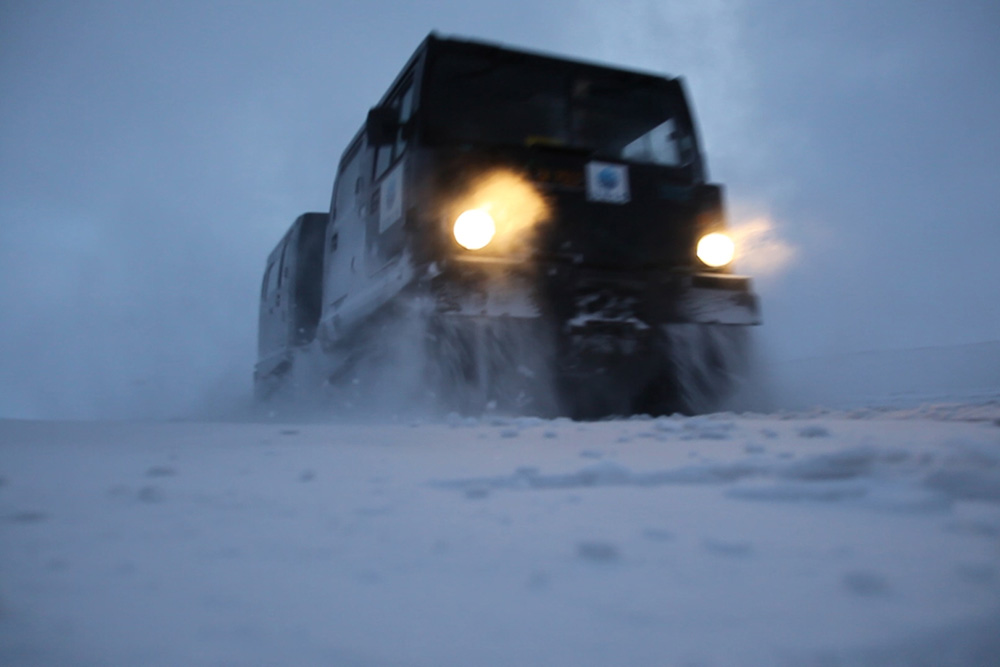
x=152, y=154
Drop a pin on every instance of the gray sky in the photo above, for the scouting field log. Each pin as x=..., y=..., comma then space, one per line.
x=151, y=154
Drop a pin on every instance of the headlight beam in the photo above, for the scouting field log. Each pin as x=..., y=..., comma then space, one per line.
x=474, y=229
x=716, y=250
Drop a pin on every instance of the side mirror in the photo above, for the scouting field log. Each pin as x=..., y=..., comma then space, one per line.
x=382, y=125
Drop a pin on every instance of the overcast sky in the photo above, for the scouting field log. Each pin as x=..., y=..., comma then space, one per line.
x=152, y=153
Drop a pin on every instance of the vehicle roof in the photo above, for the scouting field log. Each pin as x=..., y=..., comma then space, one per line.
x=434, y=41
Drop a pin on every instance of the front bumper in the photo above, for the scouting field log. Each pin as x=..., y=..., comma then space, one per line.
x=719, y=299
x=577, y=297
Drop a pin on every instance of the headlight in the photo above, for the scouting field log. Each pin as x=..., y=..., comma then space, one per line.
x=474, y=229
x=716, y=250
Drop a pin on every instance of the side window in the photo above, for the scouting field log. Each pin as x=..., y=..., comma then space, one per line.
x=270, y=280
x=282, y=271
x=383, y=158
x=402, y=101
x=405, y=113
x=349, y=183
x=660, y=145
x=265, y=287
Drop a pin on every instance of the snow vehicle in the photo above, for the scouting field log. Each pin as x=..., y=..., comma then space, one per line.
x=546, y=222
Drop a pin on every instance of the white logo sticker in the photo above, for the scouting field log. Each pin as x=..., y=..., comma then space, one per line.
x=390, y=208
x=607, y=182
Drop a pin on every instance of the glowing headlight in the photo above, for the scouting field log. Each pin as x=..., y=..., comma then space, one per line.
x=716, y=249
x=474, y=229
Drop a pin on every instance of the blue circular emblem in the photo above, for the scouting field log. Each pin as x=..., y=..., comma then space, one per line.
x=608, y=178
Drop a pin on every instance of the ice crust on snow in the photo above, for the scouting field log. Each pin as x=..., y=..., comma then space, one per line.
x=606, y=473
x=638, y=541
x=813, y=431
x=845, y=464
x=850, y=474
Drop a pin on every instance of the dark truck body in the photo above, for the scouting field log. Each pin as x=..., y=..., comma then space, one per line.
x=596, y=187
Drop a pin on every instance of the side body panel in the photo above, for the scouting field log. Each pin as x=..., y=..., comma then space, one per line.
x=368, y=260
x=290, y=296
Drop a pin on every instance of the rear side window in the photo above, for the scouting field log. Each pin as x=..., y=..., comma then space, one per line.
x=282, y=271
x=386, y=155
x=270, y=278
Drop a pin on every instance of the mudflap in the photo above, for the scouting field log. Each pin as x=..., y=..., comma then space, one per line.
x=378, y=368
x=414, y=358
x=602, y=366
x=285, y=377
x=709, y=363
x=675, y=368
x=382, y=366
x=268, y=381
x=480, y=365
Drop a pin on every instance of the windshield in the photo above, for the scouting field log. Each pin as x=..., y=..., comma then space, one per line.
x=510, y=99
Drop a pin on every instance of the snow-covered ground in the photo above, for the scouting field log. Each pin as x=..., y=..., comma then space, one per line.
x=866, y=537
